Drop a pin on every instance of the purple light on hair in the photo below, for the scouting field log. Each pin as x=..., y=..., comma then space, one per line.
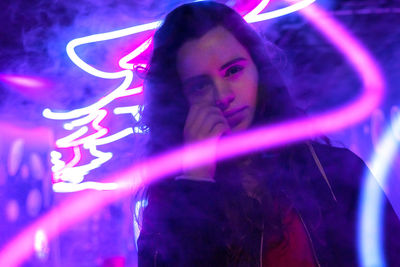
x=72, y=210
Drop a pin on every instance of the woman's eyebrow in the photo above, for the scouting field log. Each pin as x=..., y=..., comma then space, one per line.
x=233, y=61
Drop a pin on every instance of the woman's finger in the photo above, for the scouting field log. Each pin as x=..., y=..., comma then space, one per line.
x=216, y=125
x=200, y=122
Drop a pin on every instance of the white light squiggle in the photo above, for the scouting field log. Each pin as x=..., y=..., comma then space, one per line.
x=103, y=37
x=79, y=122
x=88, y=114
x=278, y=13
x=114, y=137
x=76, y=174
x=121, y=91
x=134, y=110
x=55, y=159
x=123, y=63
x=68, y=187
x=66, y=141
x=41, y=244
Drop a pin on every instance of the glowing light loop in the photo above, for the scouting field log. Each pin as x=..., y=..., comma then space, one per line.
x=256, y=17
x=155, y=168
x=92, y=112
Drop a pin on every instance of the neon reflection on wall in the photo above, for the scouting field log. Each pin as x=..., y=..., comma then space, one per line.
x=23, y=81
x=68, y=174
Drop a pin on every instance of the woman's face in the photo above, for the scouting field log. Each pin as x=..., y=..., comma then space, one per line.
x=216, y=70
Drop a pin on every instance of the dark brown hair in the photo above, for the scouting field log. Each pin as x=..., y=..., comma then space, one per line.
x=165, y=110
x=165, y=107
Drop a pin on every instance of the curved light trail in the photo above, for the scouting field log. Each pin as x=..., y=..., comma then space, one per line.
x=371, y=210
x=127, y=74
x=23, y=81
x=72, y=211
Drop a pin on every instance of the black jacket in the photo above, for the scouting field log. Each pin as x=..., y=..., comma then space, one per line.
x=184, y=223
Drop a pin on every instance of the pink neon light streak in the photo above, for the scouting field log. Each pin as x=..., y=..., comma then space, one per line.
x=77, y=157
x=257, y=10
x=100, y=131
x=253, y=16
x=71, y=211
x=31, y=87
x=75, y=160
x=123, y=62
x=24, y=81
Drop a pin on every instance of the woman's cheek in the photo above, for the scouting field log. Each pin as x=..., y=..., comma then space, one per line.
x=204, y=98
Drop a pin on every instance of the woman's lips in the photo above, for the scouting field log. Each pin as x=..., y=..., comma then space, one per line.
x=234, y=117
x=231, y=113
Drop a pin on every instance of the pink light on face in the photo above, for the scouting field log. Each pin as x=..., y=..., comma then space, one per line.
x=72, y=211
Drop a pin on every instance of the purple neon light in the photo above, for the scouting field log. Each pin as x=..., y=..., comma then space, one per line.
x=23, y=81
x=71, y=211
x=126, y=63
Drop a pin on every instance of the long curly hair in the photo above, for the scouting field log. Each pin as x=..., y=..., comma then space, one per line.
x=165, y=110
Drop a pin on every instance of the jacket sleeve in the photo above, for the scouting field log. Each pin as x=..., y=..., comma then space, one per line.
x=182, y=226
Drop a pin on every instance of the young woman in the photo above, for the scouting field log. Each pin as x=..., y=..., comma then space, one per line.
x=210, y=76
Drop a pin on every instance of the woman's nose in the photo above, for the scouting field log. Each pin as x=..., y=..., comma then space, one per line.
x=223, y=95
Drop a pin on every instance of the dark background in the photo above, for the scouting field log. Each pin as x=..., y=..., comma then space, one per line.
x=33, y=39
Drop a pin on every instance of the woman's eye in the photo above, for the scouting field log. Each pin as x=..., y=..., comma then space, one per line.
x=199, y=88
x=233, y=70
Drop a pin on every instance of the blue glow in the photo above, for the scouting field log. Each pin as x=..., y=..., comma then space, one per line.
x=137, y=218
x=371, y=210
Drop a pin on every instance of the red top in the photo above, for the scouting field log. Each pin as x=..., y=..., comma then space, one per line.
x=295, y=250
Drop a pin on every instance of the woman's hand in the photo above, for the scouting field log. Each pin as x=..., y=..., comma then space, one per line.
x=204, y=122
